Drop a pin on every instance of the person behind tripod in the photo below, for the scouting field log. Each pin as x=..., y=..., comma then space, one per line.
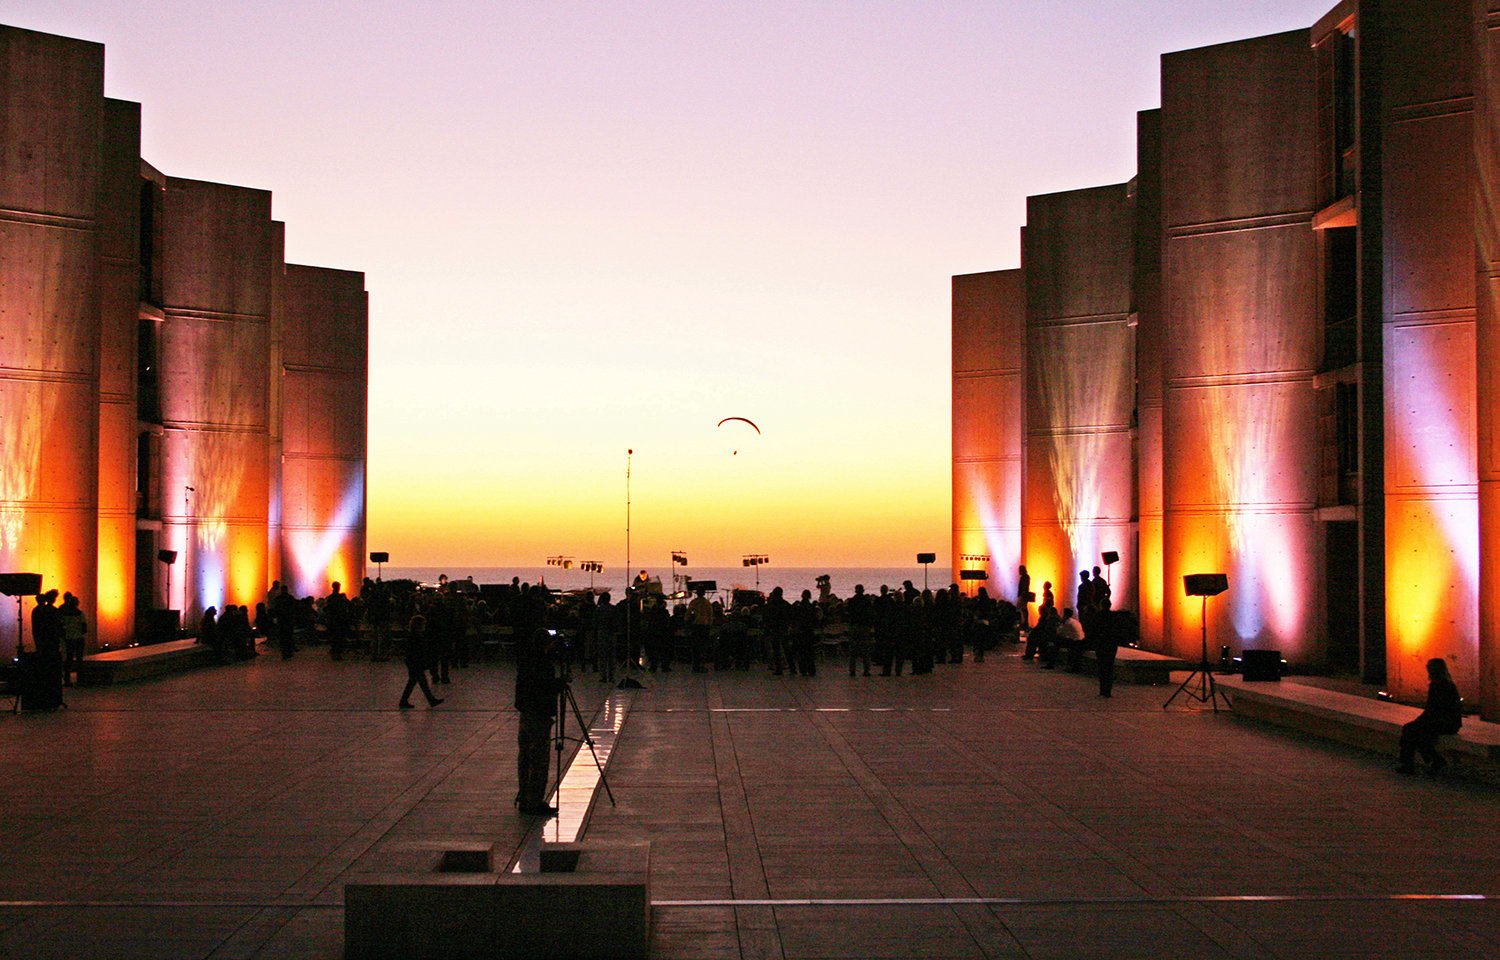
x=537, y=690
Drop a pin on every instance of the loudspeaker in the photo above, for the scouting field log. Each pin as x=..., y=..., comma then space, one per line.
x=707, y=586
x=167, y=556
x=381, y=557
x=927, y=558
x=20, y=584
x=1110, y=557
x=1260, y=665
x=1205, y=584
x=973, y=575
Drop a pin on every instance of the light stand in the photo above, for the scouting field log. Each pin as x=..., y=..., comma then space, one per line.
x=925, y=559
x=379, y=559
x=168, y=557
x=20, y=628
x=1110, y=558
x=629, y=593
x=755, y=560
x=1203, y=585
x=187, y=570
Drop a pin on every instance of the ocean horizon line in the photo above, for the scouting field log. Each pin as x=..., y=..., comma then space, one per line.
x=792, y=580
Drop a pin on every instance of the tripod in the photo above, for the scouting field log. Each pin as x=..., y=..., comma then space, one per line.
x=1207, y=691
x=566, y=701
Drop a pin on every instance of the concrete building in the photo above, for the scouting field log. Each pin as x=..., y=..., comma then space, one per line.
x=1297, y=298
x=169, y=386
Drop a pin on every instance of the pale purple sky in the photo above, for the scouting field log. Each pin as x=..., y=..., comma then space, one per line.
x=587, y=227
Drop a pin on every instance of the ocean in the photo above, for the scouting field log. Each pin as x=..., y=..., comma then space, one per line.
x=791, y=580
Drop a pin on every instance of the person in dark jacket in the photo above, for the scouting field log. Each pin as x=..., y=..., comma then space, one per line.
x=417, y=663
x=537, y=690
x=1444, y=714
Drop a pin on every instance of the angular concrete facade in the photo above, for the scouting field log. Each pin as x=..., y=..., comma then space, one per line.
x=1239, y=277
x=139, y=389
x=1078, y=256
x=323, y=404
x=1313, y=300
x=989, y=410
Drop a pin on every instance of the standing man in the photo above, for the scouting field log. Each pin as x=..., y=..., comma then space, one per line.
x=537, y=690
x=75, y=630
x=700, y=614
x=336, y=615
x=860, y=614
x=1024, y=598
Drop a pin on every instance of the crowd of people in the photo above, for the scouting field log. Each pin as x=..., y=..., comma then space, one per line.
x=892, y=631
x=886, y=633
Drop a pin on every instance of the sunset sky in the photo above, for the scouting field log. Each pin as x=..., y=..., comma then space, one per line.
x=588, y=227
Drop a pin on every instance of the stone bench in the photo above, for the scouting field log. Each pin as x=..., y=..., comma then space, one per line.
x=136, y=663
x=589, y=900
x=1139, y=666
x=1349, y=719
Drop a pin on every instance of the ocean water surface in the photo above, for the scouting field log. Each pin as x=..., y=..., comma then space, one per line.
x=792, y=580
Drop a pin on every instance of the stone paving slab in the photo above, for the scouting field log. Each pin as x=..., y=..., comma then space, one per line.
x=987, y=810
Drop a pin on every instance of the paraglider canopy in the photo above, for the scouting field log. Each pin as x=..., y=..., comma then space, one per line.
x=743, y=420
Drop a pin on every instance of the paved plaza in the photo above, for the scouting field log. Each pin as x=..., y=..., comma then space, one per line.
x=986, y=810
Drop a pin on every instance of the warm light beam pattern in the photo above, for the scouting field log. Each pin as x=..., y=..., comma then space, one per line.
x=321, y=555
x=1432, y=509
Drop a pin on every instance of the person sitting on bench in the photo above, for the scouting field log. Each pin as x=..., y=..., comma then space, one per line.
x=1443, y=714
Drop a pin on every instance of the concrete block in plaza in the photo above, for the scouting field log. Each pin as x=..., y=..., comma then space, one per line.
x=590, y=900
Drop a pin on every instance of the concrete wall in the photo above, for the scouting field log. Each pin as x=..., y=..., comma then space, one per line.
x=1078, y=255
x=1431, y=478
x=989, y=368
x=215, y=347
x=324, y=384
x=1242, y=341
x=119, y=309
x=1486, y=124
x=49, y=360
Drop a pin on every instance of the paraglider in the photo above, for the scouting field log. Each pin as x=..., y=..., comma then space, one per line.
x=743, y=419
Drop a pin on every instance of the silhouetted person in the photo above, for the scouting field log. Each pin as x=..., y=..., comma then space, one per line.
x=805, y=617
x=734, y=640
x=1104, y=633
x=42, y=684
x=284, y=616
x=1048, y=600
x=1070, y=635
x=776, y=622
x=859, y=613
x=1044, y=635
x=656, y=629
x=1102, y=590
x=378, y=614
x=417, y=663
x=1085, y=599
x=1444, y=714
x=982, y=612
x=537, y=691
x=887, y=629
x=75, y=630
x=607, y=622
x=700, y=614
x=336, y=620
x=208, y=632
x=1023, y=597
x=239, y=636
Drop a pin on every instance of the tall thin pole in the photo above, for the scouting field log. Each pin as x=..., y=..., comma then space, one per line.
x=629, y=613
x=187, y=570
